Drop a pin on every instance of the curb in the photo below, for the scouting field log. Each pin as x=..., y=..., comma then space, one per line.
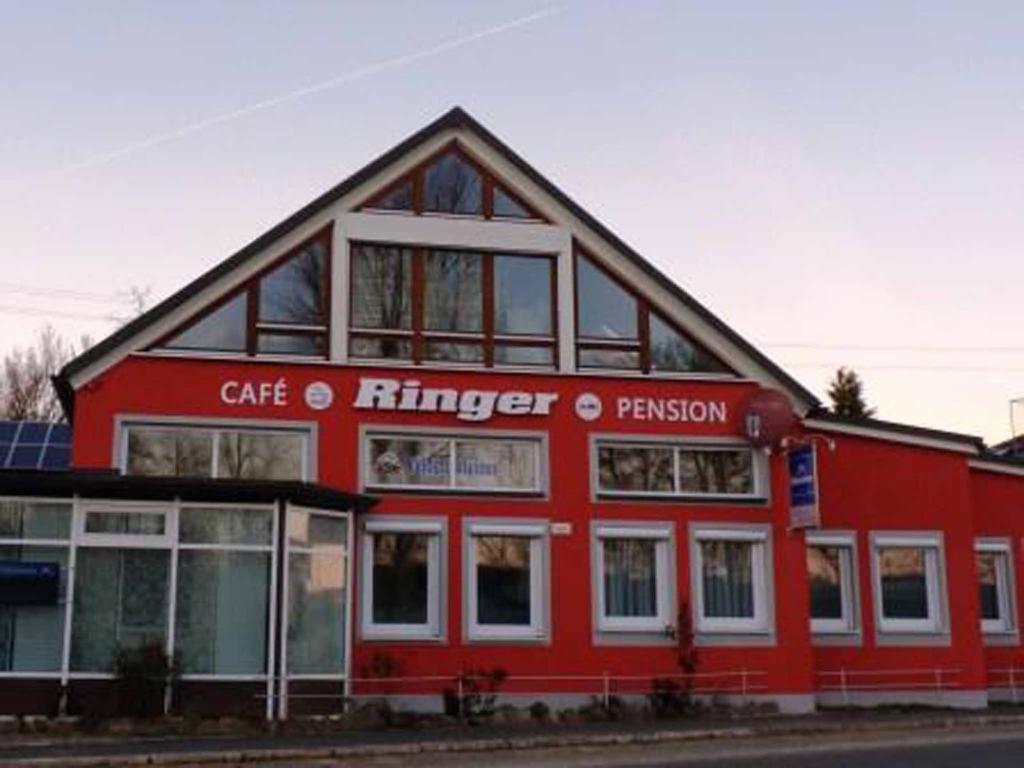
x=518, y=743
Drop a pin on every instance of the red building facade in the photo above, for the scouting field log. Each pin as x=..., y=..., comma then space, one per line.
x=470, y=431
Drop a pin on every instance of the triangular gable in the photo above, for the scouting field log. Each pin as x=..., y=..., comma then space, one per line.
x=383, y=183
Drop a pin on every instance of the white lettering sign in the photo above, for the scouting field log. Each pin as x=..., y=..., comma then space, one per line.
x=671, y=409
x=468, y=404
x=273, y=393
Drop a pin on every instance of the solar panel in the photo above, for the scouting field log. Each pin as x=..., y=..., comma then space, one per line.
x=34, y=445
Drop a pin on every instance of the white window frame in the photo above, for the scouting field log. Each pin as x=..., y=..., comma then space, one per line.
x=847, y=545
x=1006, y=624
x=932, y=545
x=537, y=533
x=759, y=492
x=432, y=628
x=661, y=534
x=166, y=540
x=758, y=538
x=537, y=440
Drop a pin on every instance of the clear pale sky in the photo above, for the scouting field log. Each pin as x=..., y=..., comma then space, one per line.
x=847, y=177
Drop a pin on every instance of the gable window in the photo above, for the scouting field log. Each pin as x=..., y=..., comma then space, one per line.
x=617, y=329
x=633, y=581
x=402, y=578
x=196, y=451
x=457, y=464
x=506, y=572
x=435, y=305
x=908, y=583
x=285, y=310
x=452, y=183
x=679, y=470
x=730, y=574
x=830, y=575
x=995, y=586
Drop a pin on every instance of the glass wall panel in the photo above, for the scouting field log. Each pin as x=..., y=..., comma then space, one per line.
x=221, y=613
x=498, y=464
x=34, y=520
x=397, y=199
x=630, y=577
x=382, y=348
x=452, y=185
x=503, y=580
x=609, y=358
x=126, y=523
x=824, y=571
x=522, y=295
x=605, y=309
x=410, y=461
x=223, y=330
x=453, y=293
x=381, y=287
x=122, y=605
x=296, y=291
x=728, y=579
x=400, y=577
x=31, y=636
x=451, y=352
x=508, y=354
x=169, y=452
x=302, y=344
x=904, y=582
x=639, y=468
x=671, y=351
x=261, y=455
x=507, y=207
x=716, y=471
x=225, y=525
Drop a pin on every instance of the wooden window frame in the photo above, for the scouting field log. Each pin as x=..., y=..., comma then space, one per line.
x=488, y=182
x=419, y=336
x=251, y=289
x=642, y=344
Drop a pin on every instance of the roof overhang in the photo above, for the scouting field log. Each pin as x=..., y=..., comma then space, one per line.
x=894, y=432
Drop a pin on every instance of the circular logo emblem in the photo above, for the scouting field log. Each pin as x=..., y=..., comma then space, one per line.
x=588, y=406
x=319, y=396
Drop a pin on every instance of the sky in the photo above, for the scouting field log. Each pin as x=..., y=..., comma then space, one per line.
x=842, y=183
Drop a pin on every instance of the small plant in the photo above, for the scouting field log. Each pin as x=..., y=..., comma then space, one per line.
x=476, y=694
x=142, y=677
x=540, y=711
x=669, y=697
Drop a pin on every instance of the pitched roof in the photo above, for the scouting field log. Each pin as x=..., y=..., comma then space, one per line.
x=456, y=118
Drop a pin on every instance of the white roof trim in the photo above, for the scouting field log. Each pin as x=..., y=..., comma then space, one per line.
x=994, y=466
x=876, y=433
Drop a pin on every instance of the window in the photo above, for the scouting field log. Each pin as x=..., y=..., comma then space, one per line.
x=908, y=583
x=452, y=183
x=666, y=469
x=461, y=464
x=437, y=305
x=730, y=580
x=284, y=310
x=830, y=575
x=506, y=567
x=31, y=635
x=249, y=454
x=401, y=576
x=617, y=329
x=993, y=563
x=223, y=587
x=633, y=578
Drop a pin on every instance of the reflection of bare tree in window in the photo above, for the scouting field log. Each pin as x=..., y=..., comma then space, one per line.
x=260, y=456
x=381, y=294
x=452, y=186
x=169, y=453
x=636, y=469
x=716, y=471
x=296, y=292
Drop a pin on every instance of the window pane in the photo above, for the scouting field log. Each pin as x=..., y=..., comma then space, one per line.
x=34, y=520
x=453, y=296
x=307, y=530
x=169, y=453
x=31, y=636
x=121, y=605
x=508, y=354
x=303, y=344
x=630, y=578
x=225, y=525
x=221, y=613
x=398, y=199
x=640, y=468
x=452, y=185
x=400, y=568
x=710, y=471
x=126, y=523
x=296, y=291
x=503, y=580
x=606, y=310
x=381, y=287
x=450, y=352
x=609, y=358
x=988, y=565
x=522, y=295
x=260, y=456
x=223, y=329
x=316, y=615
x=671, y=351
x=387, y=348
x=405, y=461
x=507, y=206
x=728, y=579
x=498, y=464
x=824, y=571
x=904, y=582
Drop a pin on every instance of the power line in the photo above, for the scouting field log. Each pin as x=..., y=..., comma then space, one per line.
x=910, y=367
x=891, y=347
x=39, y=312
x=67, y=293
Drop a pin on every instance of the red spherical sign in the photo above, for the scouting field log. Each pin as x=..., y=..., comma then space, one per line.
x=767, y=417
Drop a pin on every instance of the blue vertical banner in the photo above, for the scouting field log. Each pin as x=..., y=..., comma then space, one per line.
x=803, y=487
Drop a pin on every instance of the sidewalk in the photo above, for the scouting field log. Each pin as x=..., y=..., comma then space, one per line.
x=92, y=752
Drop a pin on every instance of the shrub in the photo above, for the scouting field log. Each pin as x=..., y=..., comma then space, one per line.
x=479, y=693
x=540, y=711
x=141, y=678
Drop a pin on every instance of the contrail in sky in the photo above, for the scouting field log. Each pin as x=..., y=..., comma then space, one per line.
x=348, y=77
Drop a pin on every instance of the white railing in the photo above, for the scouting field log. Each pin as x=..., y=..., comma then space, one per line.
x=1011, y=677
x=847, y=681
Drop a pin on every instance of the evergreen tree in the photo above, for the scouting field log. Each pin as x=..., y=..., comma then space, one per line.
x=847, y=394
